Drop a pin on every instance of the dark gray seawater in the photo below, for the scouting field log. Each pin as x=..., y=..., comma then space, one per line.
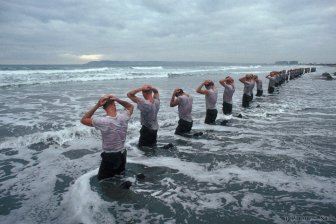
x=277, y=164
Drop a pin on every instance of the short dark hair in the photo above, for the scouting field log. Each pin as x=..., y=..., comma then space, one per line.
x=179, y=91
x=210, y=84
x=147, y=91
x=108, y=103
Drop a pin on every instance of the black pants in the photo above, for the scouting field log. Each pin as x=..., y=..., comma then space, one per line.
x=270, y=89
x=259, y=92
x=211, y=115
x=112, y=164
x=147, y=137
x=183, y=127
x=246, y=100
x=227, y=108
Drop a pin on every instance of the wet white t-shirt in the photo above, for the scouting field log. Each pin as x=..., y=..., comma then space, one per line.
x=272, y=81
x=113, y=130
x=185, y=107
x=228, y=93
x=149, y=113
x=211, y=99
x=248, y=87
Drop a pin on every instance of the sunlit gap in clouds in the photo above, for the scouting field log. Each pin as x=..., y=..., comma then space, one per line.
x=90, y=57
x=83, y=57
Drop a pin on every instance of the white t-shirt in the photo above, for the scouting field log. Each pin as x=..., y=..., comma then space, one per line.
x=272, y=81
x=228, y=93
x=185, y=107
x=113, y=130
x=211, y=99
x=248, y=87
x=149, y=113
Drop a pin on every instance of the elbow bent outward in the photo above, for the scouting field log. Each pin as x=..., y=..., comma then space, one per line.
x=131, y=95
x=173, y=100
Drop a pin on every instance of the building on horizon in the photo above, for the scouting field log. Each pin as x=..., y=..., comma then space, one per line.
x=286, y=63
x=281, y=63
x=293, y=62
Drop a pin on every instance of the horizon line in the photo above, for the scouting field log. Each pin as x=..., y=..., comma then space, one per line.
x=167, y=61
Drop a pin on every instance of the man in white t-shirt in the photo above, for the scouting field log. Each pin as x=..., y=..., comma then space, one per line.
x=149, y=107
x=211, y=94
x=229, y=89
x=259, y=85
x=184, y=102
x=113, y=128
x=272, y=79
x=249, y=83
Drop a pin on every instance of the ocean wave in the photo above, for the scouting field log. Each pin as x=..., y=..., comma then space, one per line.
x=241, y=67
x=59, y=137
x=172, y=75
x=63, y=78
x=53, y=71
x=148, y=67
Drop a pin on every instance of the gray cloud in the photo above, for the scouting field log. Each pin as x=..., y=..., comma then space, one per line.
x=257, y=31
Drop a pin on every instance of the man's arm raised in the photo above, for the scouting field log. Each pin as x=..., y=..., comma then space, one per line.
x=243, y=79
x=156, y=93
x=128, y=106
x=223, y=82
x=132, y=96
x=87, y=118
x=200, y=90
x=173, y=100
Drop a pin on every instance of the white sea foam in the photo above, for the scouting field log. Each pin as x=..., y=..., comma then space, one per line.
x=148, y=68
x=85, y=205
x=49, y=71
x=222, y=175
x=49, y=137
x=31, y=77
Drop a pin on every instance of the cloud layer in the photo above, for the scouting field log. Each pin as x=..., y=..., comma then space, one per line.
x=255, y=31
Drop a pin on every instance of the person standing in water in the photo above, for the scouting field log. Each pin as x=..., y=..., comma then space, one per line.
x=248, y=82
x=252, y=78
x=259, y=86
x=184, y=102
x=211, y=94
x=271, y=83
x=149, y=107
x=229, y=89
x=113, y=128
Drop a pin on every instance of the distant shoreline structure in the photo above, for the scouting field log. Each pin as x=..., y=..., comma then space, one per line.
x=318, y=64
x=297, y=63
x=286, y=63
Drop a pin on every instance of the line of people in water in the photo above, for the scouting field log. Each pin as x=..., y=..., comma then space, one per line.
x=113, y=127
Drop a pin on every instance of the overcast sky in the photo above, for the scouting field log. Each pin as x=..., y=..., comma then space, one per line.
x=249, y=31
